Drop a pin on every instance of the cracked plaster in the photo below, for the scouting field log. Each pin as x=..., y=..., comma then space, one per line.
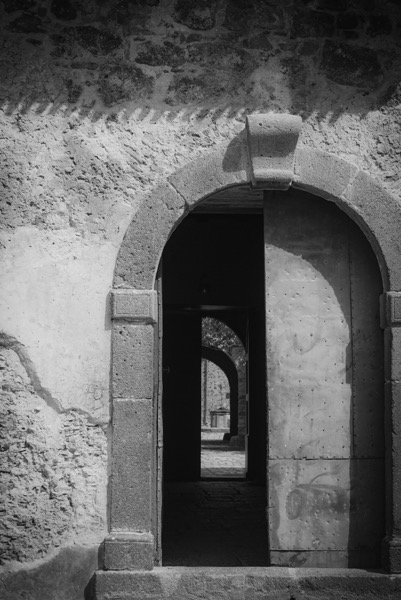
x=53, y=468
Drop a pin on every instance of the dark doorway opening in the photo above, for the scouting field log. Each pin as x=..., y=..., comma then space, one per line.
x=212, y=268
x=224, y=402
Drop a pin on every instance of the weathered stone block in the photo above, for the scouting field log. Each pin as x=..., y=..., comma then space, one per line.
x=393, y=447
x=392, y=354
x=393, y=405
x=157, y=55
x=240, y=583
x=134, y=305
x=27, y=24
x=200, y=15
x=97, y=41
x=14, y=5
x=238, y=15
x=318, y=171
x=123, y=82
x=224, y=167
x=259, y=42
x=392, y=309
x=312, y=23
x=392, y=554
x=272, y=140
x=64, y=10
x=351, y=65
x=132, y=360
x=129, y=551
x=132, y=465
x=144, y=241
x=336, y=5
x=132, y=585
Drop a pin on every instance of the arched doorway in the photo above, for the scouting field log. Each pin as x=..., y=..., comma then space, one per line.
x=133, y=507
x=301, y=267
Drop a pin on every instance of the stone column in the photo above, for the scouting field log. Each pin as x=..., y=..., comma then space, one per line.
x=130, y=544
x=391, y=317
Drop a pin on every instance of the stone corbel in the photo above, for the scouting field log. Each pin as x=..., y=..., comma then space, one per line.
x=134, y=305
x=272, y=141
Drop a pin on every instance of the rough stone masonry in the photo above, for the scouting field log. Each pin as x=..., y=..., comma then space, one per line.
x=99, y=102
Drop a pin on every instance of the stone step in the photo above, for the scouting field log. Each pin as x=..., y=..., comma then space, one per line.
x=246, y=583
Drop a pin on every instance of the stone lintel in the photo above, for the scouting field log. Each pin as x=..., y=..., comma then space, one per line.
x=134, y=305
x=272, y=140
x=129, y=551
x=390, y=309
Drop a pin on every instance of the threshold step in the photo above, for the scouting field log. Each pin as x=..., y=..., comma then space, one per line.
x=246, y=583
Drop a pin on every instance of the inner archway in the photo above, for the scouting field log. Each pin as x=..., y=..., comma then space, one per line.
x=294, y=273
x=224, y=402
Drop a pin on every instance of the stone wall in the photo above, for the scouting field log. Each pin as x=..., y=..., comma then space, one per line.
x=100, y=101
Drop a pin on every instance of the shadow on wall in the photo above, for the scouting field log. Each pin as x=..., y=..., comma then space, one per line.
x=68, y=574
x=188, y=60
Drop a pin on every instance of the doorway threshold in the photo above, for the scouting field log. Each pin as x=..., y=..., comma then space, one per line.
x=246, y=583
x=214, y=523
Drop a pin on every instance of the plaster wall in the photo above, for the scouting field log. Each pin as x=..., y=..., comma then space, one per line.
x=99, y=102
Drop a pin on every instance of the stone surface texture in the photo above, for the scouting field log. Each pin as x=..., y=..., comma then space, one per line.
x=101, y=102
x=132, y=305
x=180, y=583
x=272, y=140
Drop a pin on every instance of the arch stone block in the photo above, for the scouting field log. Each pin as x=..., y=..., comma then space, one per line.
x=322, y=173
x=224, y=167
x=144, y=240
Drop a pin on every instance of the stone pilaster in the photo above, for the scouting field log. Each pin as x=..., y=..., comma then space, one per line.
x=130, y=544
x=391, y=322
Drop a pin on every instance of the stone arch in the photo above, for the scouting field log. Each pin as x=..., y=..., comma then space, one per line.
x=226, y=364
x=265, y=156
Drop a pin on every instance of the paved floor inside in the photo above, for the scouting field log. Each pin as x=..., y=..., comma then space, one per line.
x=220, y=460
x=220, y=521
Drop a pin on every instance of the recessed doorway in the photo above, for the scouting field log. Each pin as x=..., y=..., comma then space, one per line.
x=224, y=402
x=297, y=281
x=214, y=483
